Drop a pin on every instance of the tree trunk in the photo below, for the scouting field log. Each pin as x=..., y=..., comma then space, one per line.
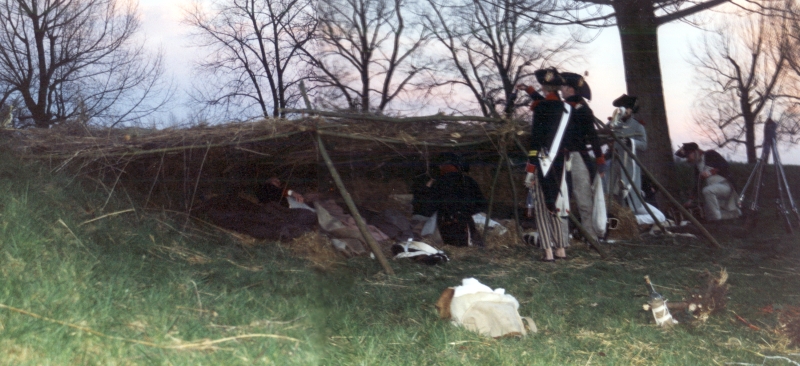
x=638, y=31
x=750, y=140
x=749, y=123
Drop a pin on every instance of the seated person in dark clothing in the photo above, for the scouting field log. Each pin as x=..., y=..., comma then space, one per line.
x=455, y=196
x=421, y=202
x=273, y=190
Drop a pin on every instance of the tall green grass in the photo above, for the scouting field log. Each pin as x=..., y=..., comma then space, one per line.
x=144, y=287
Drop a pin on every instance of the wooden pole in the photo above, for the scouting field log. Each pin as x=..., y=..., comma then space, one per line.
x=513, y=194
x=362, y=226
x=491, y=199
x=589, y=238
x=638, y=194
x=712, y=242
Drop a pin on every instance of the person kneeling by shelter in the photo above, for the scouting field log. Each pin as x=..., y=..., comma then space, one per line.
x=714, y=184
x=455, y=197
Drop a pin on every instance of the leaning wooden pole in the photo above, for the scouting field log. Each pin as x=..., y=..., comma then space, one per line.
x=638, y=194
x=491, y=199
x=362, y=226
x=712, y=242
x=589, y=237
x=517, y=226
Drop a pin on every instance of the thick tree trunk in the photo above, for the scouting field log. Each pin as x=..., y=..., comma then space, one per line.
x=749, y=124
x=639, y=38
x=750, y=141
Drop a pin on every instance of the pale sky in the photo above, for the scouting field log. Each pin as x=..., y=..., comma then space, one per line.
x=163, y=29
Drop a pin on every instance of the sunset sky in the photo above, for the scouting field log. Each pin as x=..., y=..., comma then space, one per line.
x=162, y=28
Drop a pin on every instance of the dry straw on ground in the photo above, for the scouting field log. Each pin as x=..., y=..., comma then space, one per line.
x=627, y=227
x=317, y=249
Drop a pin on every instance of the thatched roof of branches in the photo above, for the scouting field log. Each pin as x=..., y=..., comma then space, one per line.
x=286, y=140
x=177, y=163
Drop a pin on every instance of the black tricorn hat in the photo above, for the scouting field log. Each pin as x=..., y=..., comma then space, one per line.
x=626, y=101
x=686, y=149
x=549, y=76
x=577, y=82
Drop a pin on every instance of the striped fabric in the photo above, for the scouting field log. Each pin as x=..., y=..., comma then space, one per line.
x=549, y=225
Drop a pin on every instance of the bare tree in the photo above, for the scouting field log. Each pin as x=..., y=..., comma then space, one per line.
x=253, y=53
x=489, y=47
x=789, y=128
x=364, y=53
x=77, y=58
x=744, y=71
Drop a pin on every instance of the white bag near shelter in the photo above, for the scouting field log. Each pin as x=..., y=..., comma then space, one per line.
x=480, y=218
x=599, y=212
x=489, y=312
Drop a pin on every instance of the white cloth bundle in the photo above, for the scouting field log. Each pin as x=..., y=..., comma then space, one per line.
x=492, y=313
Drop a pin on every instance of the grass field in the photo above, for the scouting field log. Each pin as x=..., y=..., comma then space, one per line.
x=139, y=287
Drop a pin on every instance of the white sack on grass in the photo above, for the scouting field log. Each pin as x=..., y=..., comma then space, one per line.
x=417, y=248
x=480, y=218
x=599, y=213
x=473, y=286
x=430, y=225
x=492, y=313
x=646, y=219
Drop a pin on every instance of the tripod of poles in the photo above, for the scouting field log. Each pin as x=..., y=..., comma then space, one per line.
x=785, y=204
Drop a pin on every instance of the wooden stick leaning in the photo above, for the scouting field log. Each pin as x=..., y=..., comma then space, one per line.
x=517, y=226
x=639, y=194
x=712, y=242
x=362, y=226
x=589, y=238
x=491, y=199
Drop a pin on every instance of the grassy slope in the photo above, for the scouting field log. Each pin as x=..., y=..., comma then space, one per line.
x=147, y=287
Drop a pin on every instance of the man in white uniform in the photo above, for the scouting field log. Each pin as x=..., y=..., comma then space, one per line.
x=713, y=182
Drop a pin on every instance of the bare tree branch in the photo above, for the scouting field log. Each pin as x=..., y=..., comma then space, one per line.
x=361, y=43
x=76, y=59
x=743, y=71
x=490, y=47
x=252, y=55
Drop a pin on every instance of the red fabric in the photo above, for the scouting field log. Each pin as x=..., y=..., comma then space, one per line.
x=549, y=96
x=530, y=168
x=601, y=160
x=530, y=90
x=448, y=168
